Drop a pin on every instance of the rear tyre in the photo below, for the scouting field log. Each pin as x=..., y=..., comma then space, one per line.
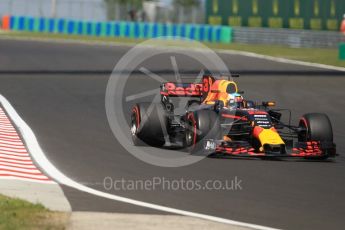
x=201, y=125
x=317, y=126
x=147, y=124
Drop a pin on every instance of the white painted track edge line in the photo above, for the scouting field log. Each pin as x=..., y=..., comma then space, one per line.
x=40, y=158
x=281, y=60
x=224, y=51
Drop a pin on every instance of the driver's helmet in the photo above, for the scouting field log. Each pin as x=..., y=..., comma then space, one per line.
x=235, y=101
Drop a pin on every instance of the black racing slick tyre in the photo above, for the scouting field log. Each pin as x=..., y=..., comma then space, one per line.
x=148, y=120
x=317, y=127
x=201, y=125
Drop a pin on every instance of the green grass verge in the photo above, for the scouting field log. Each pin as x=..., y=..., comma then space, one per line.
x=19, y=214
x=316, y=55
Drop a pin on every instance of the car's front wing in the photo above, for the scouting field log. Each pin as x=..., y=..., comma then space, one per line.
x=311, y=149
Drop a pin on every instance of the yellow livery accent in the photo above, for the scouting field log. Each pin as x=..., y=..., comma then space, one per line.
x=270, y=136
x=219, y=91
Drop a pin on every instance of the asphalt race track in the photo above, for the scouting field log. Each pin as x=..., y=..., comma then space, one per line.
x=59, y=90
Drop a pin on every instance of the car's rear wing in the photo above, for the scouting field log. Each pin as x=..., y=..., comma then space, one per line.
x=201, y=90
x=173, y=89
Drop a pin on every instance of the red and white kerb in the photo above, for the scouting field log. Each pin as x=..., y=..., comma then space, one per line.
x=15, y=160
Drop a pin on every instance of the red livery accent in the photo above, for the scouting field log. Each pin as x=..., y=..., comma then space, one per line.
x=181, y=89
x=234, y=117
x=312, y=148
x=257, y=112
x=191, y=116
x=256, y=131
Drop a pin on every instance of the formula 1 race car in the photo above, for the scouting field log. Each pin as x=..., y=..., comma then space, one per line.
x=218, y=120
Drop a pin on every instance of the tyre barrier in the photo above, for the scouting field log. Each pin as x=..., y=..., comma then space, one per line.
x=123, y=29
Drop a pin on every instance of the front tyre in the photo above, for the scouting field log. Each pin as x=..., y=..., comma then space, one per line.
x=317, y=127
